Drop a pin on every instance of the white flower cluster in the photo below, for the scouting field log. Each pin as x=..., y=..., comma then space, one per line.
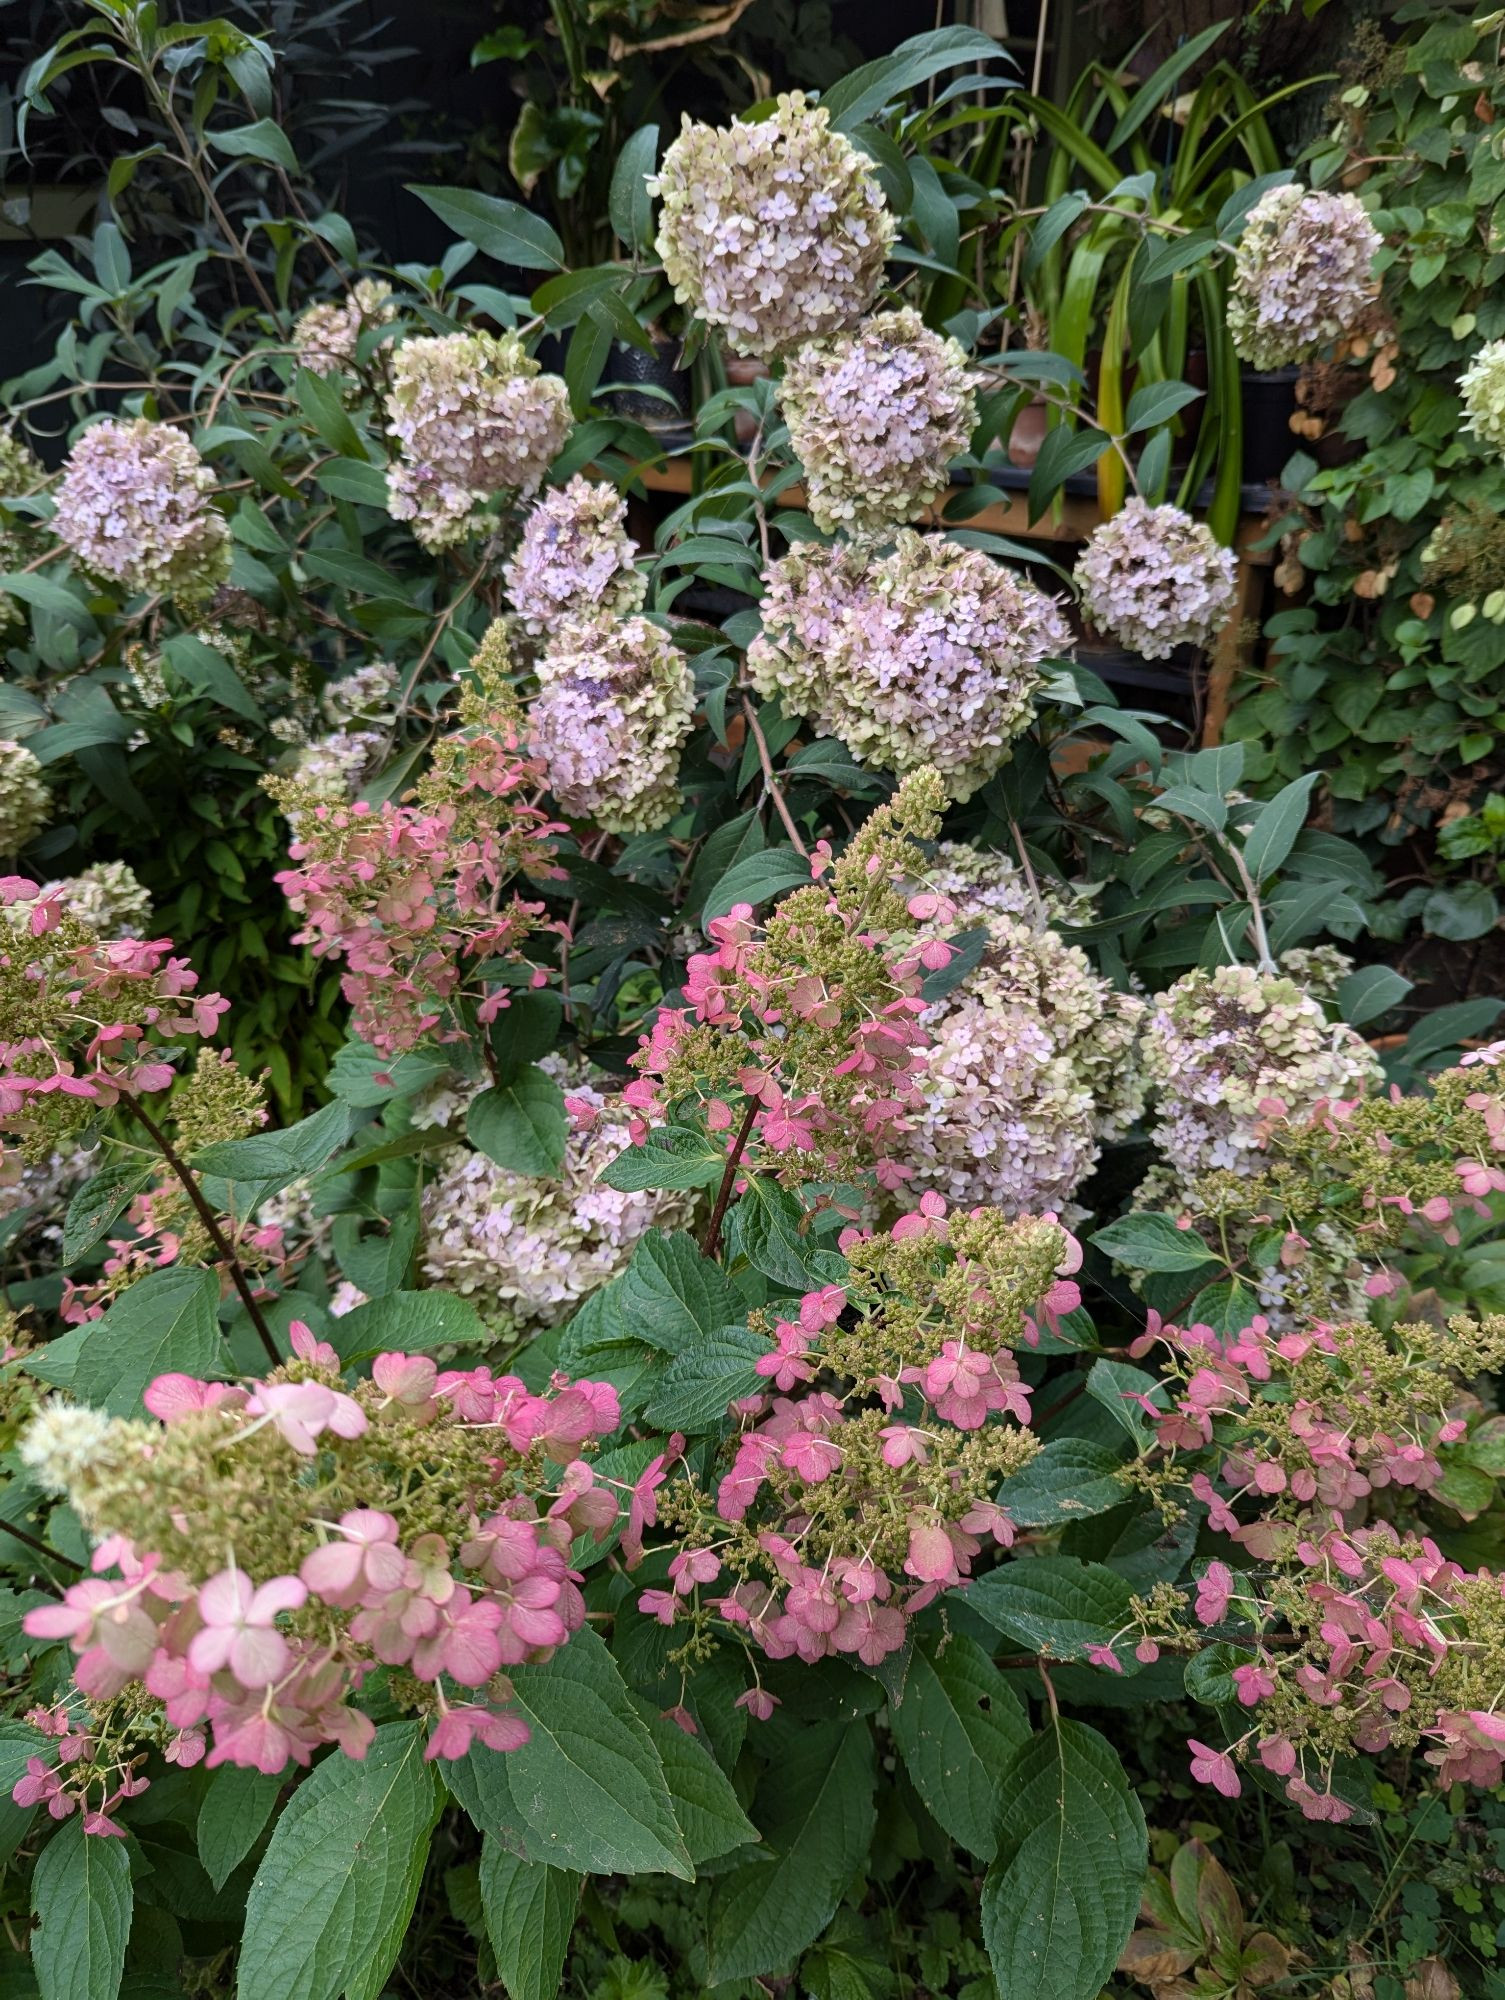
x=361, y=695
x=1482, y=387
x=529, y=1251
x=25, y=802
x=334, y=767
x=1226, y=1049
x=327, y=335
x=1302, y=275
x=929, y=654
x=774, y=231
x=575, y=558
x=615, y=703
x=1032, y=1063
x=473, y=417
x=876, y=417
x=1154, y=579
x=132, y=507
x=982, y=884
x=108, y=897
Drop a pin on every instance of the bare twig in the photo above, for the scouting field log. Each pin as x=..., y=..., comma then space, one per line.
x=712, y=1238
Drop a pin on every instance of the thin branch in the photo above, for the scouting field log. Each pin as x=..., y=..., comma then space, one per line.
x=210, y=1220
x=770, y=782
x=712, y=1238
x=42, y=1548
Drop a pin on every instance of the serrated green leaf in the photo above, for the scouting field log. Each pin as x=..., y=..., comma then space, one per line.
x=166, y=1323
x=697, y=1386
x=82, y=1899
x=1068, y=1479
x=957, y=1728
x=331, y=1901
x=529, y=1910
x=705, y=1806
x=1152, y=1242
x=521, y=1124
x=99, y=1201
x=415, y=1322
x=672, y=1156
x=235, y=1808
x=1057, y=1604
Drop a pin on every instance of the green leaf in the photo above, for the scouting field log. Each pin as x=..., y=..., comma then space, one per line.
x=414, y=1322
x=166, y=1323
x=867, y=89
x=957, y=1728
x=235, y=1808
x=588, y=1785
x=265, y=140
x=757, y=878
x=1465, y=911
x=322, y=404
x=355, y=479
x=99, y=1201
x=530, y=1912
x=204, y=668
x=1156, y=88
x=585, y=359
x=1063, y=453
x=1116, y=1386
x=365, y=1079
x=82, y=1899
x=521, y=1125
x=1060, y=1899
x=1156, y=403
x=705, y=1806
x=815, y=1809
x=671, y=1296
x=630, y=205
x=672, y=1156
x=280, y=1156
x=503, y=229
x=331, y=1900
x=1371, y=991
x=698, y=1385
x=1069, y=1479
x=1274, y=832
x=1057, y=1604
x=18, y=1743
x=1152, y=1242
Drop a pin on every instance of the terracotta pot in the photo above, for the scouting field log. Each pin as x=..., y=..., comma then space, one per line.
x=1028, y=434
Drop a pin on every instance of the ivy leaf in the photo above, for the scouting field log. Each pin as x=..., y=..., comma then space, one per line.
x=81, y=1897
x=522, y=1124
x=1060, y=1899
x=336, y=1887
x=815, y=1809
x=530, y=1911
x=957, y=1727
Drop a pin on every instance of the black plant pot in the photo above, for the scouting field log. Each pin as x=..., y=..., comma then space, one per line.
x=1269, y=403
x=659, y=370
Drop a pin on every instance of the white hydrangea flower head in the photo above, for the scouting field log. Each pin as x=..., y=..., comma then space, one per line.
x=337, y=765
x=1482, y=387
x=1032, y=1065
x=133, y=507
x=615, y=704
x=528, y=1251
x=25, y=801
x=575, y=558
x=982, y=884
x=1302, y=275
x=929, y=654
x=473, y=416
x=62, y=1441
x=327, y=335
x=876, y=416
x=774, y=231
x=108, y=897
x=1223, y=1048
x=1154, y=579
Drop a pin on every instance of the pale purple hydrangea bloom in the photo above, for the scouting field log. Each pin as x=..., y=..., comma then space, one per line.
x=473, y=417
x=529, y=1250
x=1031, y=1065
x=1154, y=579
x=774, y=231
x=575, y=558
x=328, y=334
x=1302, y=275
x=615, y=704
x=929, y=654
x=876, y=417
x=132, y=506
x=1222, y=1046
